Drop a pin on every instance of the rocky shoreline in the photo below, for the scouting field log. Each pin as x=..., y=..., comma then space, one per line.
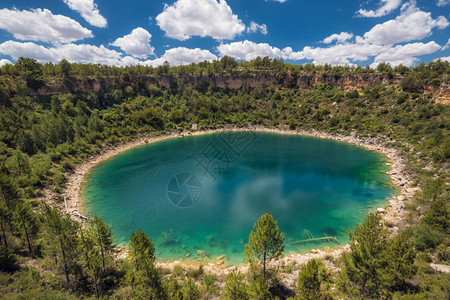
x=392, y=213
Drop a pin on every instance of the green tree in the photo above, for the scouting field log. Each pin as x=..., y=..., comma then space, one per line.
x=5, y=219
x=4, y=97
x=209, y=285
x=9, y=193
x=65, y=68
x=362, y=265
x=265, y=243
x=432, y=189
x=9, y=196
x=438, y=215
x=142, y=254
x=92, y=260
x=62, y=236
x=310, y=280
x=235, y=287
x=398, y=262
x=8, y=261
x=26, y=219
x=25, y=142
x=173, y=289
x=142, y=250
x=190, y=290
x=104, y=238
x=411, y=83
x=30, y=70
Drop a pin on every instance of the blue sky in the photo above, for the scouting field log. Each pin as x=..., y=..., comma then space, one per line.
x=149, y=32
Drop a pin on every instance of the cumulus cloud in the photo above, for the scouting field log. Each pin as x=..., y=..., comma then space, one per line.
x=250, y=50
x=443, y=2
x=406, y=54
x=343, y=54
x=340, y=38
x=386, y=6
x=378, y=42
x=187, y=18
x=447, y=45
x=255, y=27
x=42, y=25
x=4, y=62
x=137, y=43
x=32, y=50
x=446, y=58
x=75, y=53
x=87, y=54
x=88, y=10
x=411, y=24
x=182, y=56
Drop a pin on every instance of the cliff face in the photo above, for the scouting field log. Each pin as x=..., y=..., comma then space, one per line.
x=302, y=81
x=346, y=82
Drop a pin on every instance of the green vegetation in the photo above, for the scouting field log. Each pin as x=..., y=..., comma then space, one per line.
x=53, y=117
x=311, y=281
x=376, y=265
x=265, y=243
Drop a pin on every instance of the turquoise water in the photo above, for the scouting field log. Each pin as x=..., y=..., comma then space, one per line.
x=199, y=196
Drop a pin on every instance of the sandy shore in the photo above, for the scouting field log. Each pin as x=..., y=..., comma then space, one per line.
x=393, y=213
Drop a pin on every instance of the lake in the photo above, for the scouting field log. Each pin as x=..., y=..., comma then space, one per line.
x=198, y=196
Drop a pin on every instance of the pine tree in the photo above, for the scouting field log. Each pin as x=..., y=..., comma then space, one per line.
x=235, y=287
x=91, y=258
x=310, y=279
x=399, y=262
x=142, y=253
x=360, y=275
x=209, y=285
x=9, y=196
x=62, y=238
x=5, y=219
x=265, y=243
x=26, y=219
x=104, y=239
x=190, y=290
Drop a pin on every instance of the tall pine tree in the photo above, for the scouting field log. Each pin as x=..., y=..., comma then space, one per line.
x=265, y=243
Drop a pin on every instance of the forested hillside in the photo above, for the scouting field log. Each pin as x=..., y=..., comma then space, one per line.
x=52, y=117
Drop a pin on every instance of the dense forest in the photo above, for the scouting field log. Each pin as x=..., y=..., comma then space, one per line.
x=53, y=117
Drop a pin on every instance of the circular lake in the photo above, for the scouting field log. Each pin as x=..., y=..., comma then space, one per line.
x=199, y=196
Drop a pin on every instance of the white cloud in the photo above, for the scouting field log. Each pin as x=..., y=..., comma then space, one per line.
x=182, y=56
x=187, y=18
x=137, y=43
x=443, y=2
x=446, y=58
x=32, y=50
x=386, y=6
x=4, y=62
x=411, y=24
x=405, y=54
x=129, y=61
x=340, y=38
x=255, y=27
x=343, y=54
x=88, y=10
x=87, y=54
x=250, y=50
x=281, y=1
x=75, y=53
x=447, y=45
x=42, y=25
